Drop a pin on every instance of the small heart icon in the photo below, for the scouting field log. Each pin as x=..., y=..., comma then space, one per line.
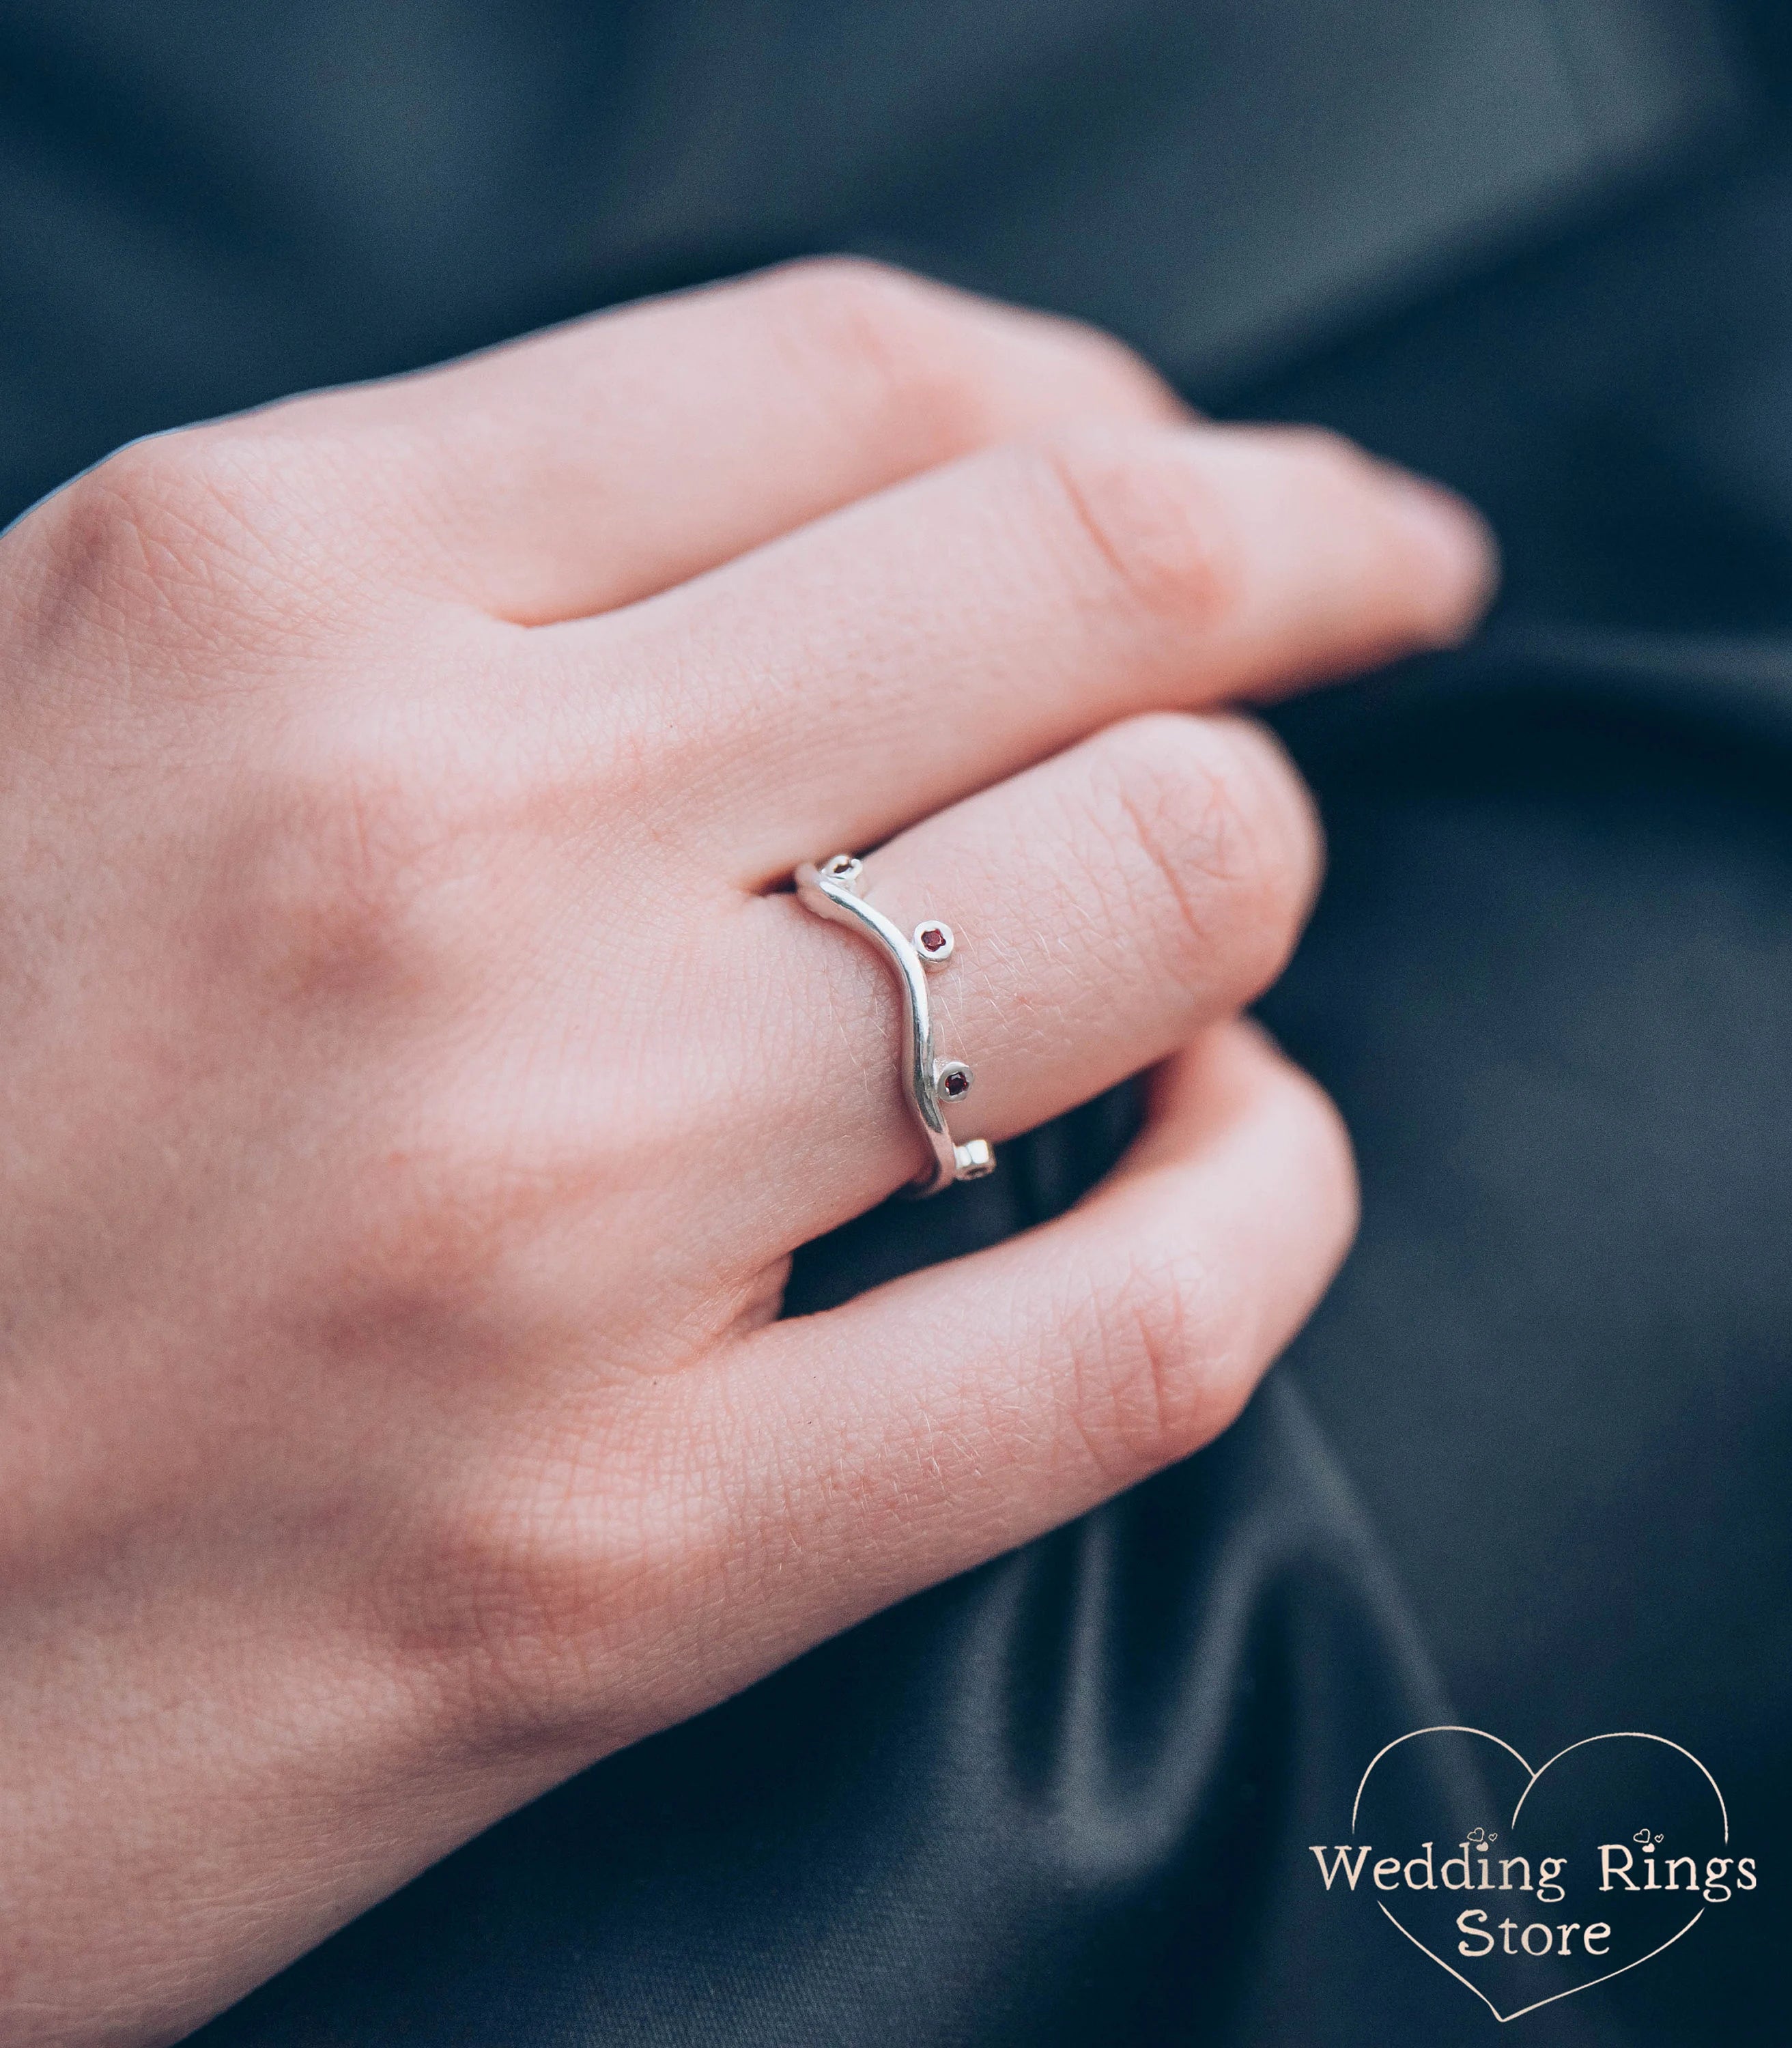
x=1571, y=1873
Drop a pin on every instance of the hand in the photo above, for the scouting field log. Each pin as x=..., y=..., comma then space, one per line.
x=415, y=1078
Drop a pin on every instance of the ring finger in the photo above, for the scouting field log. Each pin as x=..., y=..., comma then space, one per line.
x=1106, y=904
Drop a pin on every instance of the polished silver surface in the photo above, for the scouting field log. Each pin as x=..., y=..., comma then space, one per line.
x=831, y=890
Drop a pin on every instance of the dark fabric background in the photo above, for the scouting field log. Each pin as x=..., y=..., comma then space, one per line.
x=1529, y=1465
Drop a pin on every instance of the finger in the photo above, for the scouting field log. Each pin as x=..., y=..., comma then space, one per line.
x=598, y=462
x=880, y=1447
x=1106, y=905
x=865, y=671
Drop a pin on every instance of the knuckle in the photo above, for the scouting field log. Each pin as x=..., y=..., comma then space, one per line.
x=207, y=524
x=173, y=508
x=416, y=1266
x=462, y=1203
x=883, y=341
x=1113, y=376
x=329, y=887
x=541, y=1579
x=818, y=286
x=1141, y=525
x=1333, y=459
x=1214, y=841
x=938, y=372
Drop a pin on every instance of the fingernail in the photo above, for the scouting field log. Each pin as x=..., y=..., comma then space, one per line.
x=1451, y=535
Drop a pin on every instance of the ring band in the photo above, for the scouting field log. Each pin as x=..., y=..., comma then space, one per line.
x=831, y=890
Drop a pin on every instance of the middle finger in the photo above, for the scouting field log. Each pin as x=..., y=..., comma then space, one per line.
x=865, y=671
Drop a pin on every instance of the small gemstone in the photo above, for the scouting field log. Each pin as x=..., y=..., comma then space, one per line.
x=932, y=941
x=955, y=1081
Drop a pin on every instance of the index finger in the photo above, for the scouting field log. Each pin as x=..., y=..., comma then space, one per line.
x=866, y=671
x=597, y=463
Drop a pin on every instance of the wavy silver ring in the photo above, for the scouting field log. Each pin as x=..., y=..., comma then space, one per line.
x=831, y=890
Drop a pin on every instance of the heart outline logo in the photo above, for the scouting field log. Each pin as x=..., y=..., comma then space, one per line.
x=1612, y=1735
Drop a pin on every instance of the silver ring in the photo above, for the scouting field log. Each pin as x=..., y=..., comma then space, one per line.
x=831, y=890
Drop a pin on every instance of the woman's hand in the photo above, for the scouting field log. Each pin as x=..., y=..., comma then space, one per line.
x=415, y=1082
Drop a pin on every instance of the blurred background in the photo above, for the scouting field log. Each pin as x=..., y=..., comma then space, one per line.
x=1540, y=248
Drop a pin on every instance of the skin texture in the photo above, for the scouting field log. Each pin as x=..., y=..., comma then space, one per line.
x=415, y=1078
